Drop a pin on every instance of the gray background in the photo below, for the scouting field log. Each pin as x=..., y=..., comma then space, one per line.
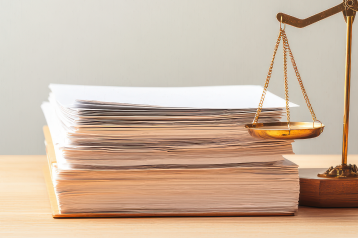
x=168, y=43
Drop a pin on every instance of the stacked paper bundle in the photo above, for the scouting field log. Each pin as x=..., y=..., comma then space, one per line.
x=167, y=151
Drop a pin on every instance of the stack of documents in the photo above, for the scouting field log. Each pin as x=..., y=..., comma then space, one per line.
x=167, y=151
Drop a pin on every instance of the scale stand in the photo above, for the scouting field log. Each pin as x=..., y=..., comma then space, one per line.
x=338, y=186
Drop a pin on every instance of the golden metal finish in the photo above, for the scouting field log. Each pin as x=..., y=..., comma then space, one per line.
x=347, y=90
x=284, y=130
x=303, y=90
x=286, y=48
x=349, y=8
x=341, y=171
x=279, y=130
x=300, y=23
x=344, y=170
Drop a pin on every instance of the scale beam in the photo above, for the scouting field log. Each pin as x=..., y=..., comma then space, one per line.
x=348, y=7
x=300, y=23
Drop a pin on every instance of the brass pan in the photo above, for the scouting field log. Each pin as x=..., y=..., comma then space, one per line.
x=281, y=130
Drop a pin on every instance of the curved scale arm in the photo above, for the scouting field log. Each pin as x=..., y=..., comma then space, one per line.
x=296, y=22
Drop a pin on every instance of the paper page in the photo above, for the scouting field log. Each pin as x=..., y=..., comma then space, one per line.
x=208, y=97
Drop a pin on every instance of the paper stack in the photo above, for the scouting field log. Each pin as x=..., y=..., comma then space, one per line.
x=167, y=151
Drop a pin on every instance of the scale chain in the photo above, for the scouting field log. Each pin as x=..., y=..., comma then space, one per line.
x=286, y=48
x=304, y=93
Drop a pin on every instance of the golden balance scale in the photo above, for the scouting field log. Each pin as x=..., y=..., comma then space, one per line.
x=341, y=179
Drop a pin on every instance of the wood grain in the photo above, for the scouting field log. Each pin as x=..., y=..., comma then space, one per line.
x=25, y=212
x=327, y=192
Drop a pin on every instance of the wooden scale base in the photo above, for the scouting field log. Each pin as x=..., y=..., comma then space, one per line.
x=326, y=192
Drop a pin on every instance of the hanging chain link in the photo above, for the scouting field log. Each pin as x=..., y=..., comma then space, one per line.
x=286, y=48
x=304, y=93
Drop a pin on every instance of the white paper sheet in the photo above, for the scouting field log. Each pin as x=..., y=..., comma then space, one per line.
x=208, y=97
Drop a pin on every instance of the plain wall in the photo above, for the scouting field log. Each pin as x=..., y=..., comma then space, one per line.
x=169, y=43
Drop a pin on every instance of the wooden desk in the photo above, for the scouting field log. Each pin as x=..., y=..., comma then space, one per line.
x=25, y=212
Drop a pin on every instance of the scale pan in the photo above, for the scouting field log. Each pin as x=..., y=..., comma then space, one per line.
x=279, y=130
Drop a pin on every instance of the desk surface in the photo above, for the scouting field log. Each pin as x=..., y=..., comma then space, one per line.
x=25, y=212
